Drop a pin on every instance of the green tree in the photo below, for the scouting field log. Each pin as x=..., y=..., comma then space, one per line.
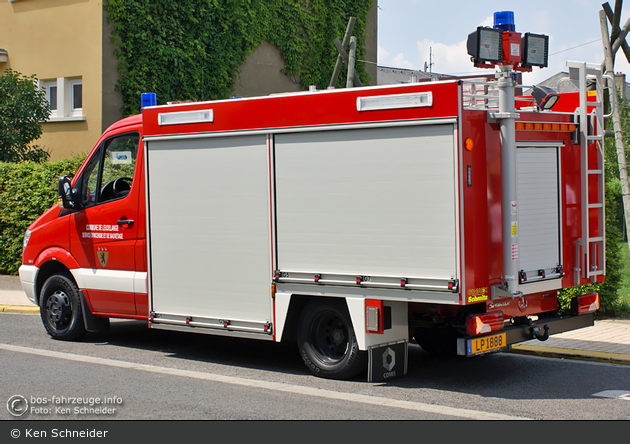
x=23, y=106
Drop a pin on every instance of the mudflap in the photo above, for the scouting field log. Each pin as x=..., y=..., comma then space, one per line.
x=387, y=361
x=92, y=323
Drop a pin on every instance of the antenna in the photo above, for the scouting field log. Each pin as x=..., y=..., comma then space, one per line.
x=430, y=64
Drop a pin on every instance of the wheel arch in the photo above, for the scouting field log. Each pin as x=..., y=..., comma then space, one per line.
x=290, y=306
x=50, y=261
x=326, y=339
x=47, y=270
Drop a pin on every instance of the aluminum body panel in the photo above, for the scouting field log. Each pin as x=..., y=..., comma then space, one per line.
x=210, y=228
x=368, y=202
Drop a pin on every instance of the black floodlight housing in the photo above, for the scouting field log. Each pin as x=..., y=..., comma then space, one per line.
x=486, y=45
x=535, y=50
x=545, y=97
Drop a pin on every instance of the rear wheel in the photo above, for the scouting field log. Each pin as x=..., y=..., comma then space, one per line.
x=327, y=341
x=60, y=308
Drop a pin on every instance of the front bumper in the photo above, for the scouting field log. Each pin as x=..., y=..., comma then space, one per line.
x=28, y=274
x=503, y=340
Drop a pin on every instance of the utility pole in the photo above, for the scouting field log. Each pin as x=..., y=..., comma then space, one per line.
x=344, y=58
x=351, y=59
x=344, y=44
x=612, y=91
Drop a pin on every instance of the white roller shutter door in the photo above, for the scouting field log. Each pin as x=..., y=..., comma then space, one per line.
x=538, y=215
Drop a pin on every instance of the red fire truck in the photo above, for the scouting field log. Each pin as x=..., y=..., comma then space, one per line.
x=351, y=221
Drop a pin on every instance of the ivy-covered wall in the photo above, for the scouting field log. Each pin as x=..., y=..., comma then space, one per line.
x=192, y=49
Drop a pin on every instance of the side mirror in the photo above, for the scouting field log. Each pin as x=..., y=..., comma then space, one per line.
x=65, y=196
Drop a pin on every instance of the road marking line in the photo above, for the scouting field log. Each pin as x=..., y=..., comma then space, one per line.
x=276, y=386
x=616, y=394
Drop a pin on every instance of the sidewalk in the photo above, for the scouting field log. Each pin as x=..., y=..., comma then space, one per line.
x=12, y=297
x=606, y=341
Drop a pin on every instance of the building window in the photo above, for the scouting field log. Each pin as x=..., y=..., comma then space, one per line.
x=51, y=95
x=77, y=97
x=65, y=96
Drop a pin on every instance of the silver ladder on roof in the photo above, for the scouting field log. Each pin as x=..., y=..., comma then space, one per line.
x=591, y=247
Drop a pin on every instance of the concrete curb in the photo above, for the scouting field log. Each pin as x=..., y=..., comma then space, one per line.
x=18, y=309
x=583, y=355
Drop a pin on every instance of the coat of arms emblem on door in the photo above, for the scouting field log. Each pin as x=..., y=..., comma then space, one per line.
x=102, y=255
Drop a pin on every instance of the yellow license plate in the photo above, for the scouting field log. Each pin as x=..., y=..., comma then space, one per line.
x=486, y=344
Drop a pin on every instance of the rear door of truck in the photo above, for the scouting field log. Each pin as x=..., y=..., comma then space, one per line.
x=539, y=227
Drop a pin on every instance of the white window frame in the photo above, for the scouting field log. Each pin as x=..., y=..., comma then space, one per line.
x=74, y=112
x=65, y=111
x=47, y=85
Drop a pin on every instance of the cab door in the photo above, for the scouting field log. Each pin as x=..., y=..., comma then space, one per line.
x=104, y=233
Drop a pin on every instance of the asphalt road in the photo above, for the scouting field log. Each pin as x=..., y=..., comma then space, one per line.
x=159, y=375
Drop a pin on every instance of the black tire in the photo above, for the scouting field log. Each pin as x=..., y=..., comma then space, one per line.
x=60, y=308
x=327, y=342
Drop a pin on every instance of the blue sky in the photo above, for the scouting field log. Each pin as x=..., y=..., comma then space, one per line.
x=407, y=29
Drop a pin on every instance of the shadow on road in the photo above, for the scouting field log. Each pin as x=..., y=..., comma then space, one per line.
x=489, y=376
x=247, y=353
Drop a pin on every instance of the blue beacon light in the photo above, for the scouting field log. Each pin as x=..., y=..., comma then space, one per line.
x=148, y=99
x=504, y=20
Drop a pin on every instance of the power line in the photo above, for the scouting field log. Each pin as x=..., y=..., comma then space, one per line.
x=475, y=72
x=569, y=49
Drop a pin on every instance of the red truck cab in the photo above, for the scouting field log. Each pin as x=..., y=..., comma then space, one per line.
x=93, y=261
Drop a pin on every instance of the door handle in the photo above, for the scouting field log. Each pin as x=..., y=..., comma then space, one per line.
x=125, y=222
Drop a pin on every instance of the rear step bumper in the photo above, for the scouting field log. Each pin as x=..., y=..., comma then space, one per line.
x=500, y=341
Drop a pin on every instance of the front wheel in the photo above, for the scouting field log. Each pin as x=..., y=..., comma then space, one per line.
x=327, y=341
x=60, y=308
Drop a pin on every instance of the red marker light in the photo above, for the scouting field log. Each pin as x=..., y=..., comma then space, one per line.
x=484, y=323
x=587, y=303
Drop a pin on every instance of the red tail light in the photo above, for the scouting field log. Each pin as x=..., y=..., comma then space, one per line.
x=484, y=323
x=587, y=303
